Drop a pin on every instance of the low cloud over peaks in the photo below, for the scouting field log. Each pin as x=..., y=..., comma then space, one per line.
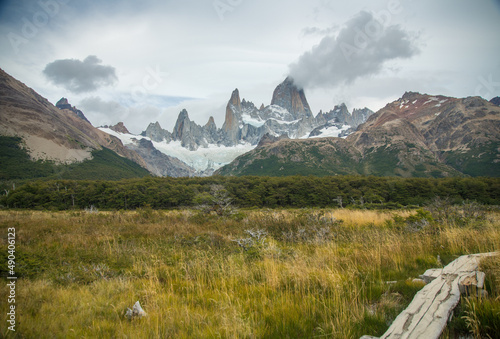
x=80, y=76
x=360, y=49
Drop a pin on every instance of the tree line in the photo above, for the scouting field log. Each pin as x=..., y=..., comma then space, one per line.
x=250, y=191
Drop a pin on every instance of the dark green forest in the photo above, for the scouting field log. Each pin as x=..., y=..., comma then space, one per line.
x=250, y=191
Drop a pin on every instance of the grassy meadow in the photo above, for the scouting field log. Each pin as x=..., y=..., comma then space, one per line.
x=303, y=273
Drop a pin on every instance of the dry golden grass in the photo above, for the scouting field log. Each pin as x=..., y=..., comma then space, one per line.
x=78, y=272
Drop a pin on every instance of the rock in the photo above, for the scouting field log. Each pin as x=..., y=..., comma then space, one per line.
x=359, y=116
x=120, y=128
x=156, y=133
x=293, y=99
x=341, y=115
x=158, y=163
x=64, y=104
x=231, y=127
x=269, y=139
x=135, y=312
x=495, y=101
x=319, y=130
x=189, y=133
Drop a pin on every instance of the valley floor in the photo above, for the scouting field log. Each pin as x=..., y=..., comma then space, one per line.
x=302, y=273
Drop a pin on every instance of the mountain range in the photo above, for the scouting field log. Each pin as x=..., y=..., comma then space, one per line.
x=416, y=135
x=206, y=148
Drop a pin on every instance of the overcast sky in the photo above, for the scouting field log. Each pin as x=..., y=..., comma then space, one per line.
x=143, y=61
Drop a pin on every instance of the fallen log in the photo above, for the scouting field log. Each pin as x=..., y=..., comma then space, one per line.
x=430, y=309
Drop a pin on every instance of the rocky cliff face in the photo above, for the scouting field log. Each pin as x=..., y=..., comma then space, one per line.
x=156, y=133
x=359, y=116
x=120, y=128
x=158, y=163
x=341, y=115
x=291, y=98
x=191, y=135
x=64, y=104
x=231, y=128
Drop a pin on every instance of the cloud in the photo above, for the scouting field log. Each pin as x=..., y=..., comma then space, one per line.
x=360, y=49
x=97, y=104
x=110, y=112
x=80, y=76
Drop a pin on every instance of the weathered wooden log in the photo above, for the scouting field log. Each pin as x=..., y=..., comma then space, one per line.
x=430, y=309
x=431, y=274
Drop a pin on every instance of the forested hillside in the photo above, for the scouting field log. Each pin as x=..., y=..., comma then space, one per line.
x=105, y=164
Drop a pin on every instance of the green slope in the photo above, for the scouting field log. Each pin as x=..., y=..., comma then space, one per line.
x=480, y=160
x=333, y=156
x=15, y=164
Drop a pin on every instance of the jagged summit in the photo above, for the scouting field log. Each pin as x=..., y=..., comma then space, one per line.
x=211, y=122
x=182, y=124
x=156, y=133
x=120, y=128
x=64, y=104
x=230, y=128
x=235, y=99
x=292, y=98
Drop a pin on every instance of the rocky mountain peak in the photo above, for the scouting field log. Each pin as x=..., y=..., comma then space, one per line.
x=156, y=133
x=64, y=104
x=120, y=128
x=359, y=116
x=411, y=95
x=495, y=101
x=183, y=115
x=292, y=98
x=211, y=122
x=235, y=100
x=230, y=128
x=181, y=124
